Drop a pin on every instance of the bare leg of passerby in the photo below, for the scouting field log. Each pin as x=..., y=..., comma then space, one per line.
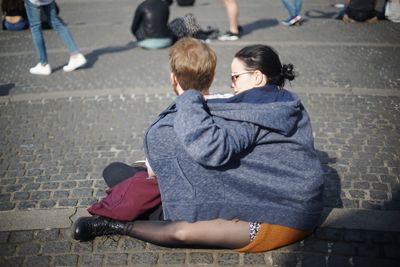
x=232, y=10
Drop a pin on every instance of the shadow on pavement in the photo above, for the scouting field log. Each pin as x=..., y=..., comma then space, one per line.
x=259, y=24
x=332, y=191
x=93, y=56
x=6, y=88
x=318, y=14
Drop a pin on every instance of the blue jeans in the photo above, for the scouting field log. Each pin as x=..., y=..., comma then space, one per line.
x=35, y=23
x=294, y=9
x=22, y=24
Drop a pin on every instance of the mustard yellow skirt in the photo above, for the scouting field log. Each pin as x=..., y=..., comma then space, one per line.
x=272, y=236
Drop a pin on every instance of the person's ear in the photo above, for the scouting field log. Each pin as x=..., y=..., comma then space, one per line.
x=260, y=78
x=175, y=85
x=174, y=81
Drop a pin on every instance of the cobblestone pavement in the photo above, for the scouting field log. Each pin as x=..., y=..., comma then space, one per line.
x=58, y=132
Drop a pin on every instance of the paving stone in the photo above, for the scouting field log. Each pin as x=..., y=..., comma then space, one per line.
x=229, y=259
x=13, y=188
x=284, y=259
x=170, y=258
x=378, y=195
x=254, y=259
x=313, y=245
x=354, y=236
x=47, y=204
x=4, y=237
x=103, y=244
x=82, y=247
x=342, y=261
x=28, y=249
x=47, y=235
x=7, y=249
x=119, y=259
x=372, y=205
x=329, y=234
x=392, y=251
x=66, y=260
x=68, y=202
x=144, y=258
x=52, y=185
x=60, y=194
x=368, y=250
x=11, y=261
x=81, y=192
x=358, y=194
x=87, y=202
x=5, y=197
x=68, y=185
x=132, y=244
x=38, y=195
x=56, y=247
x=201, y=258
x=21, y=196
x=381, y=237
x=20, y=236
x=372, y=262
x=91, y=260
x=314, y=260
x=37, y=261
x=346, y=249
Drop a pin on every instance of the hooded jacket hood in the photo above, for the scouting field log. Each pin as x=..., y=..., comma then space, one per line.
x=281, y=117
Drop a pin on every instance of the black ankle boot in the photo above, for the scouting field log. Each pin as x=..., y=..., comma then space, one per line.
x=87, y=228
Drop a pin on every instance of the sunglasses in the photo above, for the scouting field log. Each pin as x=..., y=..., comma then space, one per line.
x=235, y=76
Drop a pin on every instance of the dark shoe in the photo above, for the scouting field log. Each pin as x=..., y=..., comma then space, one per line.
x=291, y=21
x=229, y=36
x=87, y=228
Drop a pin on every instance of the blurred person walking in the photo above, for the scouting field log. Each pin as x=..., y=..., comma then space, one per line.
x=294, y=9
x=34, y=9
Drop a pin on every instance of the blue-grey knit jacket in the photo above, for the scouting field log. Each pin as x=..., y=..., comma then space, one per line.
x=254, y=162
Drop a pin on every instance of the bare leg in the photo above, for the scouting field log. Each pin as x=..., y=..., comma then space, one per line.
x=214, y=233
x=232, y=10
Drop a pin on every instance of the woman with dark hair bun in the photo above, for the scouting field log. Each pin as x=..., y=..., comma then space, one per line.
x=262, y=60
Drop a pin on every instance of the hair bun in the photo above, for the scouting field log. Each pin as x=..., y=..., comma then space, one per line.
x=288, y=72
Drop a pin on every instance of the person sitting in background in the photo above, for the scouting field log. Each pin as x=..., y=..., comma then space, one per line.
x=14, y=15
x=360, y=10
x=150, y=24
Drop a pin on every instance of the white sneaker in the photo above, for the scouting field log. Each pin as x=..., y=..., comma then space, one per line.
x=40, y=69
x=75, y=62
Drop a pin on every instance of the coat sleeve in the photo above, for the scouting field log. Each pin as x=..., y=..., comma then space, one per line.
x=210, y=141
x=136, y=20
